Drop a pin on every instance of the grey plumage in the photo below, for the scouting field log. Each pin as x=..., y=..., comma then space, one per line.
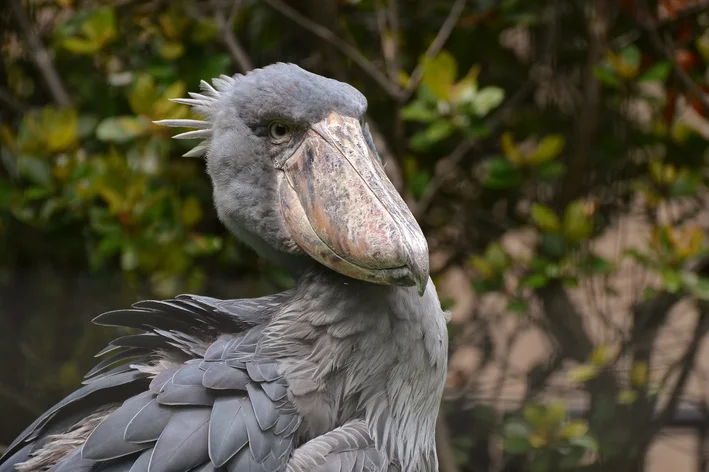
x=336, y=374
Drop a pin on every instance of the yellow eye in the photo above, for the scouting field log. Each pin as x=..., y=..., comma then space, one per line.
x=278, y=131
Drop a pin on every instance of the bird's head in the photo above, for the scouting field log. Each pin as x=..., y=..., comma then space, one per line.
x=295, y=173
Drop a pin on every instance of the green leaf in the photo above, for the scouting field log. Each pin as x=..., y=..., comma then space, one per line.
x=583, y=373
x=671, y=280
x=517, y=305
x=658, y=72
x=577, y=226
x=551, y=170
x=549, y=148
x=631, y=56
x=495, y=256
x=501, y=174
x=627, y=397
x=486, y=100
x=545, y=218
x=435, y=132
x=536, y=415
x=418, y=111
x=574, y=429
x=191, y=211
x=171, y=50
x=34, y=169
x=586, y=442
x=120, y=129
x=607, y=75
x=697, y=286
x=595, y=264
x=687, y=184
x=534, y=281
x=81, y=46
x=516, y=438
x=439, y=74
x=129, y=258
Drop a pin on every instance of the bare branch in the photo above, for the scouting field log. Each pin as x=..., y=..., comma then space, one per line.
x=435, y=47
x=347, y=49
x=40, y=55
x=226, y=32
x=388, y=26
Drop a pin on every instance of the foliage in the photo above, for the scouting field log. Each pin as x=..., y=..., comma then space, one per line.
x=554, y=118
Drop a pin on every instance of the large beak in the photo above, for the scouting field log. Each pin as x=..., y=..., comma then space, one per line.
x=344, y=212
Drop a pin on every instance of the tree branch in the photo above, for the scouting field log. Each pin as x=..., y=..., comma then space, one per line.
x=435, y=47
x=40, y=55
x=229, y=38
x=347, y=49
x=586, y=125
x=700, y=331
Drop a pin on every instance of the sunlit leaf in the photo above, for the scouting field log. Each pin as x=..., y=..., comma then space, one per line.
x=121, y=128
x=577, y=225
x=549, y=148
x=556, y=412
x=627, y=397
x=545, y=218
x=486, y=100
x=171, y=50
x=583, y=373
x=439, y=74
x=191, y=211
x=574, y=429
x=602, y=355
x=658, y=72
x=510, y=148
x=639, y=373
x=418, y=111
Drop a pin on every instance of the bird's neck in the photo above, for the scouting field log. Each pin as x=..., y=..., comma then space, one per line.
x=361, y=350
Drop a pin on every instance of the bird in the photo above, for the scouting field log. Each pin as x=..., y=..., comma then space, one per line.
x=342, y=372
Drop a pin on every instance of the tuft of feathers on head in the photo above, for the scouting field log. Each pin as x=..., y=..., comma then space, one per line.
x=204, y=104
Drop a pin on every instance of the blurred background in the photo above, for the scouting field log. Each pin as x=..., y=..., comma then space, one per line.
x=555, y=152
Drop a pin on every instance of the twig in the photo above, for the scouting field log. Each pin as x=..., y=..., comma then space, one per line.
x=229, y=38
x=347, y=49
x=11, y=102
x=387, y=24
x=665, y=48
x=40, y=55
x=435, y=47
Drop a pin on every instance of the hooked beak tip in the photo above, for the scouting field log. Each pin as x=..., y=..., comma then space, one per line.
x=419, y=275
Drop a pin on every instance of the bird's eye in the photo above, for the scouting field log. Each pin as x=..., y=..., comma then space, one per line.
x=278, y=131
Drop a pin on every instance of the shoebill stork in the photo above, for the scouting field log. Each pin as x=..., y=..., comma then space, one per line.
x=343, y=372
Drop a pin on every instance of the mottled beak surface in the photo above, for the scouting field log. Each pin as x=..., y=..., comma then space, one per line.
x=344, y=212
